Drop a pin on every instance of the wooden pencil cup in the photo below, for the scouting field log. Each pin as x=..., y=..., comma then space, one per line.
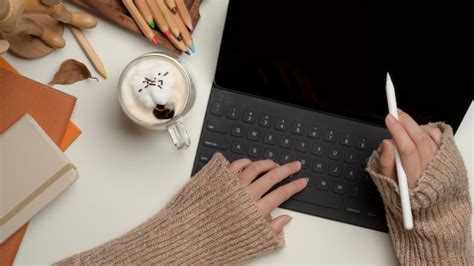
x=33, y=28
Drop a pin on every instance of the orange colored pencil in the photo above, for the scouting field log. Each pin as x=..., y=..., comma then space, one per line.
x=147, y=31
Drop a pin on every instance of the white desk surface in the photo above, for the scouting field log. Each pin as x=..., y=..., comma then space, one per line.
x=127, y=174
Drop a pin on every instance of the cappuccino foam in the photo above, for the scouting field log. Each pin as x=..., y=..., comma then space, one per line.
x=151, y=83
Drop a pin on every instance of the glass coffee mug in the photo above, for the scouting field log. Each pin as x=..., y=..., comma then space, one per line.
x=156, y=91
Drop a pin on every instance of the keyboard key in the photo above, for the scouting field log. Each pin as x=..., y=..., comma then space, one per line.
x=318, y=149
x=205, y=156
x=254, y=151
x=319, y=166
x=286, y=158
x=304, y=161
x=269, y=138
x=215, y=141
x=366, y=178
x=322, y=198
x=356, y=191
x=249, y=117
x=238, y=147
x=323, y=184
x=302, y=145
x=339, y=188
x=281, y=124
x=254, y=134
x=353, y=206
x=362, y=143
x=217, y=126
x=270, y=154
x=334, y=170
x=286, y=142
x=334, y=154
x=330, y=135
x=346, y=140
x=313, y=132
x=217, y=109
x=237, y=130
x=297, y=128
x=265, y=120
x=351, y=174
x=350, y=157
x=233, y=112
x=364, y=159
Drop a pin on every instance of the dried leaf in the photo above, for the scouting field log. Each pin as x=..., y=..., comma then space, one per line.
x=70, y=72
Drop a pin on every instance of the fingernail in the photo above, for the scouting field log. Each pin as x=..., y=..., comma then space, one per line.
x=297, y=163
x=305, y=180
x=390, y=119
x=287, y=219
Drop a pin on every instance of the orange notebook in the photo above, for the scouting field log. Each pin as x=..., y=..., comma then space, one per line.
x=62, y=134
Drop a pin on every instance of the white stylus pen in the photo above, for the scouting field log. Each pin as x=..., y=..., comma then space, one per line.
x=402, y=177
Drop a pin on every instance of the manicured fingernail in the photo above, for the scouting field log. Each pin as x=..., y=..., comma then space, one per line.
x=390, y=119
x=298, y=163
x=304, y=180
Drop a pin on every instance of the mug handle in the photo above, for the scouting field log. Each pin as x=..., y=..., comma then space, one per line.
x=179, y=136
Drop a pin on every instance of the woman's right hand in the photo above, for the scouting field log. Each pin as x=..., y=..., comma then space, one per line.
x=416, y=144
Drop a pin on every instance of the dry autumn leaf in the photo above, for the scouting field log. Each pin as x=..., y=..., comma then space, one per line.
x=70, y=72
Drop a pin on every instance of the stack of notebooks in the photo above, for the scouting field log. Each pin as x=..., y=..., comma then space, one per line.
x=35, y=128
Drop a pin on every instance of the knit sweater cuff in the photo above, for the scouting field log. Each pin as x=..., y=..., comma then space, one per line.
x=440, y=204
x=212, y=220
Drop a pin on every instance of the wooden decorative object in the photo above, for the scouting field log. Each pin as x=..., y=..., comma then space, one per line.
x=33, y=28
x=116, y=12
x=30, y=47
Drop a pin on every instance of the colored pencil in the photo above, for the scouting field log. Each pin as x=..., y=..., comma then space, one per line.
x=172, y=6
x=169, y=18
x=88, y=50
x=188, y=40
x=147, y=31
x=145, y=11
x=178, y=44
x=184, y=13
x=159, y=18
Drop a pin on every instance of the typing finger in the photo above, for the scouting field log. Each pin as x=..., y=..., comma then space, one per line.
x=408, y=151
x=268, y=203
x=419, y=137
x=434, y=133
x=278, y=223
x=239, y=164
x=254, y=170
x=387, y=159
x=273, y=177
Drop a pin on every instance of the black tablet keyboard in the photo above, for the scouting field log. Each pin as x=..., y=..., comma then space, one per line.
x=333, y=152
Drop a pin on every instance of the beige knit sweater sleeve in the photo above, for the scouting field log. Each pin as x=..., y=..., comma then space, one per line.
x=212, y=220
x=441, y=209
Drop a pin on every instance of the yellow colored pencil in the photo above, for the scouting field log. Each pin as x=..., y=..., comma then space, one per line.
x=88, y=50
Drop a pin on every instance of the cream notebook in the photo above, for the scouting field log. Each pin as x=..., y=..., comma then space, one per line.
x=33, y=171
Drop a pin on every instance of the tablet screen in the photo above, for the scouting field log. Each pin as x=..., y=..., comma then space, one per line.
x=333, y=56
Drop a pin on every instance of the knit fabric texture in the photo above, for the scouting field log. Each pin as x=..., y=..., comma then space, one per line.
x=212, y=220
x=441, y=209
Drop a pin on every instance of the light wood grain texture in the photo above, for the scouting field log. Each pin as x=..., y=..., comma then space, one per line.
x=116, y=12
x=137, y=17
x=145, y=11
x=88, y=50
